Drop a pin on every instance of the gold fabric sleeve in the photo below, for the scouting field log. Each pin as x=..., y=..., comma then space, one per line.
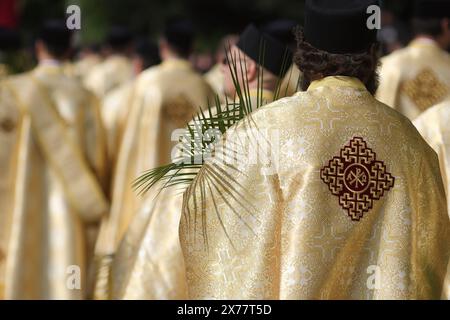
x=76, y=176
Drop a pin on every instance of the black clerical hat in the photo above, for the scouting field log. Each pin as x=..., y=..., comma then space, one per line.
x=432, y=9
x=179, y=32
x=282, y=30
x=148, y=51
x=265, y=50
x=55, y=34
x=9, y=39
x=339, y=26
x=119, y=36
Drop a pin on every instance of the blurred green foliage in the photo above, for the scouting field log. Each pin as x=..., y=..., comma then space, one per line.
x=213, y=19
x=146, y=17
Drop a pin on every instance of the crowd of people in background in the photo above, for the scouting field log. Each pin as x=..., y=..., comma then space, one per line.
x=80, y=123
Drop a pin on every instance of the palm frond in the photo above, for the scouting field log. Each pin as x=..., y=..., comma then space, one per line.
x=194, y=149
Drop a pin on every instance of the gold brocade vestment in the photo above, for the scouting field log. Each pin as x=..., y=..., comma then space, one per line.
x=52, y=161
x=433, y=125
x=328, y=194
x=114, y=111
x=113, y=72
x=290, y=84
x=149, y=262
x=165, y=98
x=215, y=79
x=415, y=78
x=434, y=128
x=4, y=72
x=85, y=65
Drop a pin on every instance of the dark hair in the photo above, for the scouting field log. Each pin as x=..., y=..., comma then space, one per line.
x=94, y=47
x=179, y=34
x=314, y=62
x=148, y=52
x=56, y=38
x=119, y=38
x=431, y=27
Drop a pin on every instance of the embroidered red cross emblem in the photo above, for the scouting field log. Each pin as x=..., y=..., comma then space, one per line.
x=357, y=178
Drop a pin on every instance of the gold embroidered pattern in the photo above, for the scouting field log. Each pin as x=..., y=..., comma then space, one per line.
x=7, y=125
x=425, y=90
x=357, y=178
x=178, y=110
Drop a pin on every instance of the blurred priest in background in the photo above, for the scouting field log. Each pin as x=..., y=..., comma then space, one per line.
x=417, y=77
x=117, y=68
x=52, y=164
x=149, y=263
x=164, y=98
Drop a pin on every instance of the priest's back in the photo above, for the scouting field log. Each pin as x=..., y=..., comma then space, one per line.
x=54, y=157
x=415, y=78
x=109, y=74
x=328, y=194
x=165, y=98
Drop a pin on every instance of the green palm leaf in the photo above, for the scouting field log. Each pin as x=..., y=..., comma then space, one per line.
x=195, y=149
